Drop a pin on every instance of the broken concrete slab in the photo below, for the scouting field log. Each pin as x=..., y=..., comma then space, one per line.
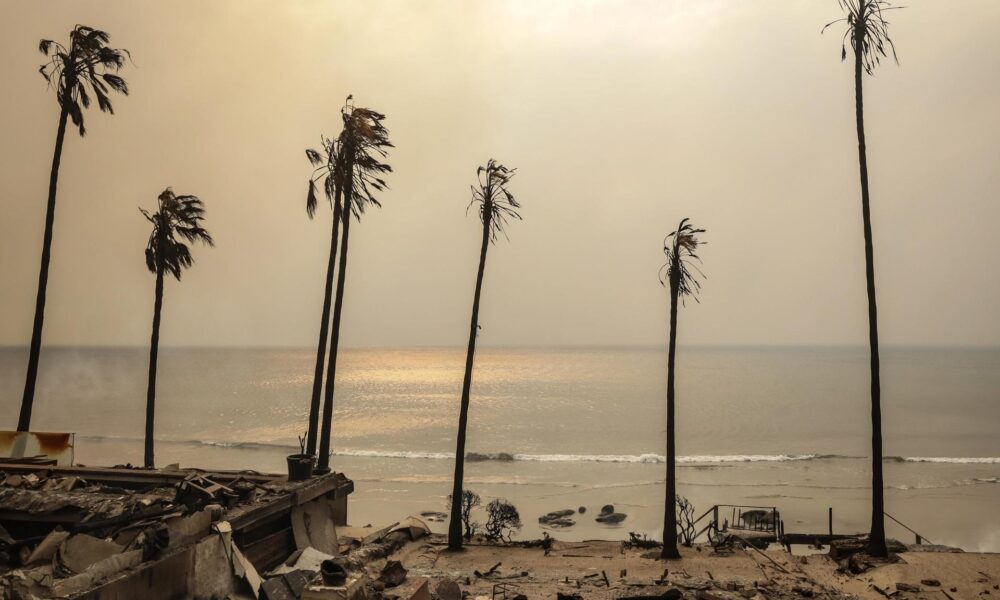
x=312, y=526
x=309, y=559
x=47, y=548
x=186, y=529
x=414, y=526
x=288, y=586
x=210, y=574
x=243, y=569
x=78, y=552
x=97, y=572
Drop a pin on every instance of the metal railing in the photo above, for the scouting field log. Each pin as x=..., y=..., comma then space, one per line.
x=763, y=519
x=920, y=539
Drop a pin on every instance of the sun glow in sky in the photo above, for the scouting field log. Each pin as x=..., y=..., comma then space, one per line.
x=621, y=116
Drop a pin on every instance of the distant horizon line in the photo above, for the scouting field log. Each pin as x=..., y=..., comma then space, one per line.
x=608, y=346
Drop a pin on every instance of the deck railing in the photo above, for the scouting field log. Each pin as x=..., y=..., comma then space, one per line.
x=722, y=518
x=744, y=518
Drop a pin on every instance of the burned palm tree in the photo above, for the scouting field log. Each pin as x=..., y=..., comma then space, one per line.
x=867, y=33
x=363, y=144
x=496, y=206
x=680, y=275
x=86, y=68
x=177, y=220
x=327, y=163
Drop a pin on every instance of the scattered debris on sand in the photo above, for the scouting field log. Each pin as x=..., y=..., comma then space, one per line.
x=108, y=533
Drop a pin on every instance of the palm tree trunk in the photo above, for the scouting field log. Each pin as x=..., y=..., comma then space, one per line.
x=876, y=543
x=669, y=505
x=323, y=463
x=324, y=329
x=455, y=524
x=28, y=398
x=154, y=348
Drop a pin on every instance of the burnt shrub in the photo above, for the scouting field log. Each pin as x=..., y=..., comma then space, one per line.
x=470, y=500
x=502, y=522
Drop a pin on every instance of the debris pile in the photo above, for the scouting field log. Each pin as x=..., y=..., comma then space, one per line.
x=851, y=555
x=62, y=535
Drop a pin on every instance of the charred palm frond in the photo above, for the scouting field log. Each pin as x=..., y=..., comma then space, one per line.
x=88, y=67
x=681, y=249
x=867, y=31
x=364, y=142
x=178, y=218
x=493, y=199
x=328, y=166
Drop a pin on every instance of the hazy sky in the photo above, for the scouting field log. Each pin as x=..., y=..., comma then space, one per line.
x=621, y=116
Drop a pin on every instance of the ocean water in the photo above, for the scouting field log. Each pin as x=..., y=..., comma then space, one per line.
x=555, y=428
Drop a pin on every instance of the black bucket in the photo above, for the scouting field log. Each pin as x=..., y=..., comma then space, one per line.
x=300, y=466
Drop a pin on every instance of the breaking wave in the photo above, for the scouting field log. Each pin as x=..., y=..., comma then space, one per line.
x=598, y=458
x=957, y=460
x=392, y=454
x=941, y=486
x=702, y=459
x=210, y=443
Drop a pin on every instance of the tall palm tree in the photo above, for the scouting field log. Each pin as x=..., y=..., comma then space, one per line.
x=363, y=145
x=867, y=33
x=327, y=163
x=496, y=205
x=177, y=217
x=679, y=274
x=88, y=67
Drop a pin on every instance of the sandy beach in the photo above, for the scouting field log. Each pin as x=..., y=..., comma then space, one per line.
x=579, y=568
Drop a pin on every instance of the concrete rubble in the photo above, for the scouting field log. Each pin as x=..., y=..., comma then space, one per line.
x=190, y=534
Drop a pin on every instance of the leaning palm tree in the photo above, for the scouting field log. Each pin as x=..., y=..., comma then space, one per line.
x=86, y=68
x=680, y=275
x=177, y=217
x=867, y=33
x=327, y=163
x=496, y=206
x=363, y=144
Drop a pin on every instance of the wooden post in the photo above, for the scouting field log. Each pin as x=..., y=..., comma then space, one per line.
x=919, y=540
x=715, y=516
x=831, y=520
